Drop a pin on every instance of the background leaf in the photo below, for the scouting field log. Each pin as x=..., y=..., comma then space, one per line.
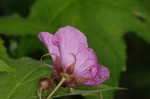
x=19, y=26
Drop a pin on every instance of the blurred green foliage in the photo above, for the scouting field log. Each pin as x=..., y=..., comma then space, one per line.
x=104, y=22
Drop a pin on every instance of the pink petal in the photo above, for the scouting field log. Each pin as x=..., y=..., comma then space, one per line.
x=69, y=40
x=98, y=76
x=47, y=39
x=86, y=59
x=104, y=73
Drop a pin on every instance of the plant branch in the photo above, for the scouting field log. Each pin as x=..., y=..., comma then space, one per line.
x=56, y=88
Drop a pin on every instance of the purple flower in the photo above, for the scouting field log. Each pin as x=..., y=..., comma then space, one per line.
x=71, y=55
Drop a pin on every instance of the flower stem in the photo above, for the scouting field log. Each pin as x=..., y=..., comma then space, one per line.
x=56, y=88
x=101, y=95
x=39, y=92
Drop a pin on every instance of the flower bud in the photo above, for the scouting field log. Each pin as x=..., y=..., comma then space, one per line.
x=45, y=83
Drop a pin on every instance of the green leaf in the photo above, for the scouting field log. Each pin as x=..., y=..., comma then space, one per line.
x=121, y=15
x=137, y=17
x=15, y=25
x=23, y=83
x=5, y=67
x=89, y=91
x=2, y=49
x=97, y=91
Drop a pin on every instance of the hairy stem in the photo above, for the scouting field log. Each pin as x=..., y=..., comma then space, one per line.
x=39, y=92
x=101, y=95
x=56, y=88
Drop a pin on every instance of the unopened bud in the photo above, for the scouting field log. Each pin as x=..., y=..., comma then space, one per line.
x=45, y=83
